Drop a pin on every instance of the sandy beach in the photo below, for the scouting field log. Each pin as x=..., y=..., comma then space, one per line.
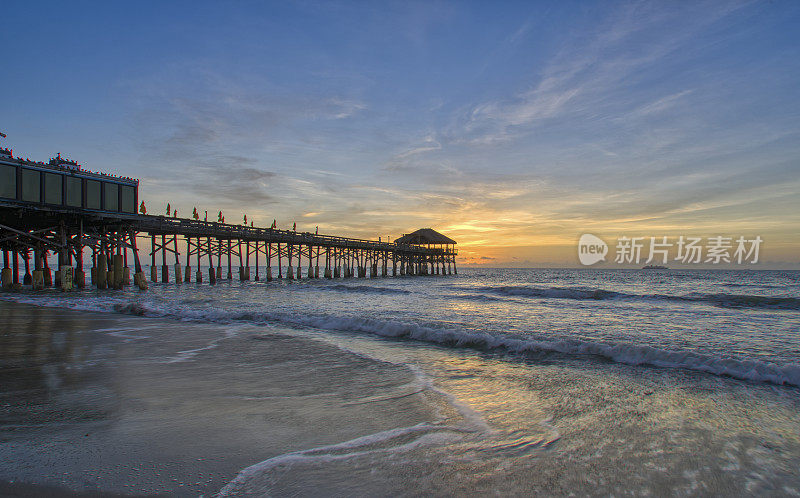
x=94, y=402
x=467, y=388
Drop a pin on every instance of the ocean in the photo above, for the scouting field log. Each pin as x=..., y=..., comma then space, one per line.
x=510, y=381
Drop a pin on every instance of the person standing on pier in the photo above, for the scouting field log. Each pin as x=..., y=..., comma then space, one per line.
x=168, y=208
x=142, y=208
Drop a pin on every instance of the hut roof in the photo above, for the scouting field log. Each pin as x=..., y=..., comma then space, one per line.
x=424, y=236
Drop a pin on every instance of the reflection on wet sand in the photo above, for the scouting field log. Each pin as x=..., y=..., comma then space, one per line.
x=102, y=402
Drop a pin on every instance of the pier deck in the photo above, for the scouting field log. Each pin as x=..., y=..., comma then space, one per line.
x=36, y=230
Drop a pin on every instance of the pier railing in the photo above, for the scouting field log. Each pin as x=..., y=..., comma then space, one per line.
x=36, y=230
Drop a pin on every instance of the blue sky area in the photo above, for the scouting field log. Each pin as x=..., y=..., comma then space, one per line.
x=513, y=127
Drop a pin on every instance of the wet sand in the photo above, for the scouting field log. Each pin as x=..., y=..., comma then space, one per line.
x=105, y=403
x=96, y=403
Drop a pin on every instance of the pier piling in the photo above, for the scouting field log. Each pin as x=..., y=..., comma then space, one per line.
x=67, y=232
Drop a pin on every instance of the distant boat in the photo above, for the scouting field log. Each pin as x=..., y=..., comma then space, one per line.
x=654, y=267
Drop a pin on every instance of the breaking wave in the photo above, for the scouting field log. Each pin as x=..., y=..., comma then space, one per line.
x=630, y=354
x=721, y=300
x=550, y=292
x=432, y=333
x=370, y=289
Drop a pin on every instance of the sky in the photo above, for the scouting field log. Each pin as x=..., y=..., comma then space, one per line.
x=512, y=127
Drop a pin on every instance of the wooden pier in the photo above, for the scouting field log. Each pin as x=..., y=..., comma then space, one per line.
x=88, y=220
x=224, y=251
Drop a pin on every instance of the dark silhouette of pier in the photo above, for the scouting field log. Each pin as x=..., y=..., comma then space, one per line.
x=89, y=220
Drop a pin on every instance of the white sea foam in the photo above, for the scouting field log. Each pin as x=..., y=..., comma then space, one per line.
x=381, y=442
x=631, y=354
x=722, y=300
x=372, y=289
x=191, y=353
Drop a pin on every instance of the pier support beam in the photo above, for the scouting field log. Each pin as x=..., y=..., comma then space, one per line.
x=48, y=277
x=15, y=270
x=187, y=274
x=80, y=276
x=38, y=274
x=247, y=261
x=57, y=282
x=27, y=279
x=138, y=276
x=212, y=274
x=102, y=272
x=269, y=262
x=6, y=275
x=119, y=271
x=178, y=272
x=110, y=272
x=38, y=280
x=164, y=267
x=280, y=264
x=199, y=274
x=230, y=271
x=66, y=277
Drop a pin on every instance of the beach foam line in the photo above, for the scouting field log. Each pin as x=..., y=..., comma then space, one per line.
x=423, y=434
x=629, y=354
x=370, y=289
x=191, y=353
x=723, y=300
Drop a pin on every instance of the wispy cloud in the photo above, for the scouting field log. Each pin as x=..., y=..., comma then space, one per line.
x=588, y=77
x=605, y=133
x=429, y=144
x=659, y=105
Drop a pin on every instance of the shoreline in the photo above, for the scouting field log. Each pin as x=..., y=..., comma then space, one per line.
x=185, y=407
x=768, y=371
x=98, y=403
